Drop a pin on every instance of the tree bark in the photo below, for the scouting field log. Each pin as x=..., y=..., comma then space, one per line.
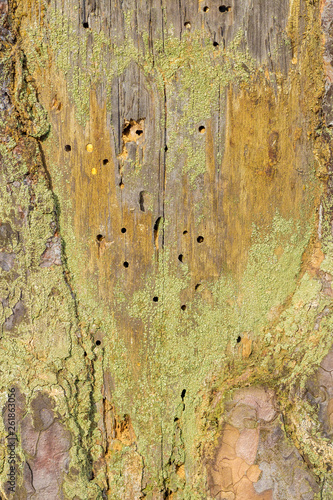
x=166, y=249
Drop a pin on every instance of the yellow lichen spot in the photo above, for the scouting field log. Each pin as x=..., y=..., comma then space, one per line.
x=94, y=171
x=89, y=148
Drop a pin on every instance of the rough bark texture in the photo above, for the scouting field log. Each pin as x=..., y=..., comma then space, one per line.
x=166, y=248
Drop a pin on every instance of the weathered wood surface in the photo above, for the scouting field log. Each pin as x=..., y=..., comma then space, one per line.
x=166, y=248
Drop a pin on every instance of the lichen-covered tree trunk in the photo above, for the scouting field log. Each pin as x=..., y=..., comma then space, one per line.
x=166, y=249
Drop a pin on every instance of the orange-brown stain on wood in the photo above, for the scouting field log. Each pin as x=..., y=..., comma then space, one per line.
x=262, y=172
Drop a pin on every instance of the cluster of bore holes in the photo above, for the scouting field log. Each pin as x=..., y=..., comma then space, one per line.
x=200, y=239
x=68, y=148
x=222, y=8
x=100, y=238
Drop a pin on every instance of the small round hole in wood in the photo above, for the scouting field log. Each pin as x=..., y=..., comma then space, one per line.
x=202, y=129
x=123, y=230
x=200, y=239
x=139, y=132
x=85, y=24
x=187, y=25
x=185, y=232
x=224, y=8
x=180, y=257
x=105, y=161
x=99, y=237
x=215, y=44
x=98, y=342
x=183, y=307
x=125, y=264
x=239, y=339
x=68, y=148
x=155, y=299
x=206, y=9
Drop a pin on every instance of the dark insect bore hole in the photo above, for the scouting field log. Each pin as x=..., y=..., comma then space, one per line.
x=139, y=132
x=197, y=286
x=205, y=9
x=123, y=229
x=202, y=129
x=98, y=342
x=224, y=8
x=142, y=201
x=155, y=299
x=157, y=231
x=106, y=161
x=166, y=148
x=187, y=24
x=99, y=237
x=180, y=257
x=183, y=307
x=183, y=393
x=239, y=339
x=125, y=264
x=200, y=239
x=215, y=44
x=85, y=24
x=185, y=232
x=68, y=148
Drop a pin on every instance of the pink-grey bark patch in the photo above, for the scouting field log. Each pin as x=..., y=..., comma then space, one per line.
x=52, y=254
x=46, y=444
